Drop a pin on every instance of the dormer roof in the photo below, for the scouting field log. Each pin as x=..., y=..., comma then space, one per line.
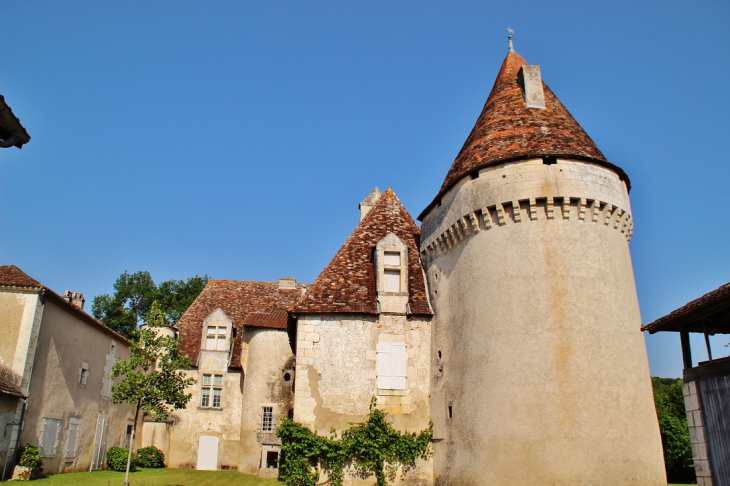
x=507, y=129
x=347, y=284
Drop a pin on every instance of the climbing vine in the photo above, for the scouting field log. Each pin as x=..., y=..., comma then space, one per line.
x=372, y=448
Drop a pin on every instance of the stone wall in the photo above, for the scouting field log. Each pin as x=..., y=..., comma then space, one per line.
x=336, y=375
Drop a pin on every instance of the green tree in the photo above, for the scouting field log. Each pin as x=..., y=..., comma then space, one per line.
x=669, y=402
x=133, y=297
x=154, y=380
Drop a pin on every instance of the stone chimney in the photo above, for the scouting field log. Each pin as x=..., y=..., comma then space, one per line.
x=367, y=204
x=531, y=82
x=75, y=298
x=287, y=283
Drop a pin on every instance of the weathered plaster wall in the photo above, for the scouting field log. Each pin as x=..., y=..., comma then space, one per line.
x=337, y=375
x=224, y=422
x=266, y=357
x=540, y=374
x=64, y=342
x=11, y=315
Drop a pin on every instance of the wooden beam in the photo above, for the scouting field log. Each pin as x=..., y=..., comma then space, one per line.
x=686, y=350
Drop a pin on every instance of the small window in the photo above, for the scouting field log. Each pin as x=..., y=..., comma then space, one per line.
x=128, y=436
x=72, y=445
x=272, y=459
x=83, y=373
x=211, y=391
x=392, y=259
x=391, y=366
x=392, y=280
x=267, y=419
x=49, y=436
x=113, y=349
x=107, y=382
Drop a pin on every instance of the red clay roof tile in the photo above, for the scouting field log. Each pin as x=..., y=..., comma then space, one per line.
x=507, y=130
x=347, y=284
x=240, y=301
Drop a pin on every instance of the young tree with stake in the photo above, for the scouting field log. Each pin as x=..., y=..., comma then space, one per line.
x=154, y=380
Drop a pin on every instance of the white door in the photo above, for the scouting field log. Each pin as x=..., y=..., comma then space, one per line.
x=207, y=453
x=102, y=423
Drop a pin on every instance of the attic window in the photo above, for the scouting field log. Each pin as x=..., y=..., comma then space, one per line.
x=216, y=338
x=550, y=160
x=392, y=271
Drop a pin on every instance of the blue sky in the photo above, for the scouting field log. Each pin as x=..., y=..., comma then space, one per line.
x=235, y=139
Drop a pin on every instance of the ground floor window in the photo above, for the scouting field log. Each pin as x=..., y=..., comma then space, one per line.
x=49, y=436
x=272, y=460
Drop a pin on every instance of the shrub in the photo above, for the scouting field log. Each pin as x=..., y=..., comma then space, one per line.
x=116, y=459
x=30, y=456
x=151, y=457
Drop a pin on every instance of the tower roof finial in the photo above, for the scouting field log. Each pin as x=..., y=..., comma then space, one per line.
x=511, y=48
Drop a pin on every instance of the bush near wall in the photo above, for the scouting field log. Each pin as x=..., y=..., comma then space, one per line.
x=669, y=402
x=30, y=456
x=151, y=457
x=116, y=459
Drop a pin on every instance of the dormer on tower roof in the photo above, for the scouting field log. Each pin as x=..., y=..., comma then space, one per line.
x=521, y=119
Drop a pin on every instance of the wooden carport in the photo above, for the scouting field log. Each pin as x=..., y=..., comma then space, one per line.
x=707, y=385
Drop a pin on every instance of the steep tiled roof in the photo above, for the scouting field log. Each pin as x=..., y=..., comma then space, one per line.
x=9, y=383
x=13, y=277
x=347, y=284
x=239, y=300
x=508, y=130
x=699, y=315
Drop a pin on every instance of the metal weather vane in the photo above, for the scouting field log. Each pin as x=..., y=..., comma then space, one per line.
x=511, y=48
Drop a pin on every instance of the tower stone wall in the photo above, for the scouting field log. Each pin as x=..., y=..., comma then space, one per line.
x=540, y=374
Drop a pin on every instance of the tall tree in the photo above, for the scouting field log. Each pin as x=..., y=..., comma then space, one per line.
x=154, y=380
x=134, y=295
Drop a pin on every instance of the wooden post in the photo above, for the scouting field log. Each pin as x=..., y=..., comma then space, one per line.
x=686, y=350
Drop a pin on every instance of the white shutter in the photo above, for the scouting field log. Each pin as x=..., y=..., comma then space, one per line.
x=399, y=366
x=106, y=389
x=46, y=438
x=385, y=371
x=72, y=444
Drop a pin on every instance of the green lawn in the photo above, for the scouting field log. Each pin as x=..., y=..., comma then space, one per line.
x=157, y=477
x=162, y=477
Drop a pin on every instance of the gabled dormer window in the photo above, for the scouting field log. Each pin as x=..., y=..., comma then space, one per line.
x=391, y=274
x=217, y=332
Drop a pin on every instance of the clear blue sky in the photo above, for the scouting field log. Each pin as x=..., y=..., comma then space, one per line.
x=235, y=139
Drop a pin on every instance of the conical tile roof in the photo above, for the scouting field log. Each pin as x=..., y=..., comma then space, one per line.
x=508, y=130
x=347, y=284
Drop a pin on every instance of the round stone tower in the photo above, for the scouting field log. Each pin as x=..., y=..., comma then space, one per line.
x=540, y=374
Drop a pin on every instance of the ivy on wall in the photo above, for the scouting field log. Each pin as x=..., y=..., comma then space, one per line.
x=371, y=448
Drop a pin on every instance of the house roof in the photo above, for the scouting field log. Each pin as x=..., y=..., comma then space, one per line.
x=252, y=304
x=10, y=125
x=347, y=284
x=508, y=130
x=10, y=383
x=709, y=313
x=12, y=277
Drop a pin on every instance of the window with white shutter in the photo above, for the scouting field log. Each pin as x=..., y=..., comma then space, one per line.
x=72, y=444
x=391, y=366
x=49, y=436
x=106, y=388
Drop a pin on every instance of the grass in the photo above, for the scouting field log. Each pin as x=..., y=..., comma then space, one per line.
x=162, y=477
x=157, y=477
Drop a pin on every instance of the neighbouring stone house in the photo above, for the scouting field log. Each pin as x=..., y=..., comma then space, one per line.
x=54, y=361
